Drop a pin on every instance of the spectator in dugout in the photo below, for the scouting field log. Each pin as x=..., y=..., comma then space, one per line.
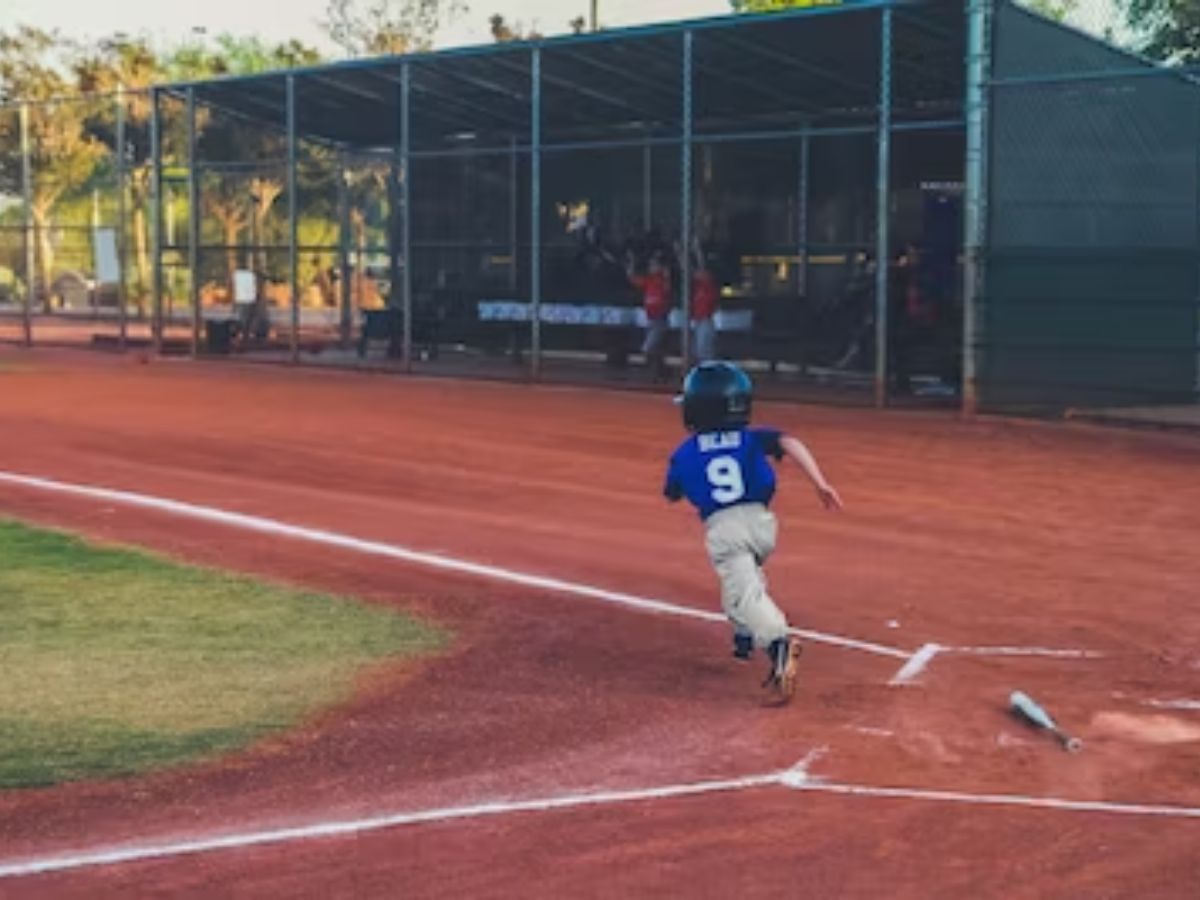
x=703, y=307
x=655, y=287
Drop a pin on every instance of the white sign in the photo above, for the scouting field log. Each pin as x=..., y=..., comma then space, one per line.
x=104, y=251
x=245, y=287
x=599, y=315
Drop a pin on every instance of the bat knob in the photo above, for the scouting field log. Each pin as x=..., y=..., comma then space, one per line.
x=1073, y=745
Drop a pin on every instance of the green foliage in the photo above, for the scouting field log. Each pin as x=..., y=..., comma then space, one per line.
x=504, y=32
x=1167, y=30
x=35, y=65
x=116, y=661
x=75, y=145
x=757, y=6
x=387, y=27
x=231, y=54
x=1054, y=9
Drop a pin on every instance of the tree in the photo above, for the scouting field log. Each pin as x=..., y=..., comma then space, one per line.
x=1167, y=30
x=64, y=155
x=757, y=6
x=235, y=55
x=228, y=207
x=133, y=67
x=503, y=32
x=387, y=27
x=1058, y=10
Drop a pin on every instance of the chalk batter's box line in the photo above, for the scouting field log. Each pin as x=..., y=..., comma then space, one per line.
x=796, y=778
x=913, y=662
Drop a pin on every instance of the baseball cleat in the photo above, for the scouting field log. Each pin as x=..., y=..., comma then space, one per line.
x=785, y=657
x=743, y=645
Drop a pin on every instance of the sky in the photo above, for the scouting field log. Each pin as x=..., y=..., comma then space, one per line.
x=168, y=22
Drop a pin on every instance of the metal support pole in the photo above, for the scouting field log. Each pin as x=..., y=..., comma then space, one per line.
x=392, y=238
x=193, y=251
x=535, y=216
x=802, y=199
x=346, y=325
x=883, y=208
x=293, y=218
x=594, y=17
x=685, y=228
x=975, y=194
x=30, y=234
x=406, y=285
x=513, y=227
x=122, y=212
x=156, y=219
x=647, y=186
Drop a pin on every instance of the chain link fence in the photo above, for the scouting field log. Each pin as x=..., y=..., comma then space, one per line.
x=816, y=172
x=1093, y=261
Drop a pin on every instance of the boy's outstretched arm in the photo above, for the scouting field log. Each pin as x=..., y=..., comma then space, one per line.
x=796, y=450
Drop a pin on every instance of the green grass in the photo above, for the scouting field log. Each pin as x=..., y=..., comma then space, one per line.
x=114, y=662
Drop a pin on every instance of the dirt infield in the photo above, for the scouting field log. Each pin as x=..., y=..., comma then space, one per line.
x=991, y=534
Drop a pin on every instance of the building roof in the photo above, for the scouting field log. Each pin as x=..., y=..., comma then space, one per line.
x=816, y=67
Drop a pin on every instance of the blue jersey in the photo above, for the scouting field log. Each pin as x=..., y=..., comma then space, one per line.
x=719, y=469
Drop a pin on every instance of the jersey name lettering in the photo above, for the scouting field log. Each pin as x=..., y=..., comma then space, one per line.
x=720, y=440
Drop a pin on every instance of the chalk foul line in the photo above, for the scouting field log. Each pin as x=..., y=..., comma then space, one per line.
x=796, y=778
x=265, y=525
x=141, y=853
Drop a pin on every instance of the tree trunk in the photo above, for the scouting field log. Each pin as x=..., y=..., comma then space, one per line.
x=260, y=221
x=45, y=247
x=233, y=230
x=141, y=237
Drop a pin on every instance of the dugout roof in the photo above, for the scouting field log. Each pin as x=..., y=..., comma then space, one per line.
x=810, y=68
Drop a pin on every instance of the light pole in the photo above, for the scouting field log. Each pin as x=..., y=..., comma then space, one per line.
x=594, y=21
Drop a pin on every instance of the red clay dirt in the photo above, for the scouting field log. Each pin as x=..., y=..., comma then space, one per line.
x=988, y=533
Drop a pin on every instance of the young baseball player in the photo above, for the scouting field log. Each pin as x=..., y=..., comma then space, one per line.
x=655, y=286
x=704, y=307
x=724, y=469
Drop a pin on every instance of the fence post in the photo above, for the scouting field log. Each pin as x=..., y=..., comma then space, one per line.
x=975, y=195
x=30, y=236
x=344, y=277
x=883, y=208
x=514, y=244
x=293, y=218
x=406, y=294
x=156, y=219
x=193, y=187
x=647, y=186
x=685, y=228
x=122, y=213
x=802, y=202
x=535, y=216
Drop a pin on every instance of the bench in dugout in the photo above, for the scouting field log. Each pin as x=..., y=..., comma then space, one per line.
x=386, y=326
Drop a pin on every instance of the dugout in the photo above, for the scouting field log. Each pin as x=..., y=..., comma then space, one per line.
x=469, y=211
x=490, y=196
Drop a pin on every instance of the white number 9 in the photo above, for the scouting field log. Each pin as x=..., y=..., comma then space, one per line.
x=725, y=476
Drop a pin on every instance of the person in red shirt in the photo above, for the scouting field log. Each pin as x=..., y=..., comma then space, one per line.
x=655, y=286
x=704, y=306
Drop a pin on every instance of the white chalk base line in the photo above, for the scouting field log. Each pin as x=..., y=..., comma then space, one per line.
x=431, y=560
x=919, y=661
x=794, y=778
x=914, y=663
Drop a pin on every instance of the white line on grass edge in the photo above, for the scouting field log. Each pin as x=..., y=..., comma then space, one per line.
x=432, y=560
x=795, y=778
